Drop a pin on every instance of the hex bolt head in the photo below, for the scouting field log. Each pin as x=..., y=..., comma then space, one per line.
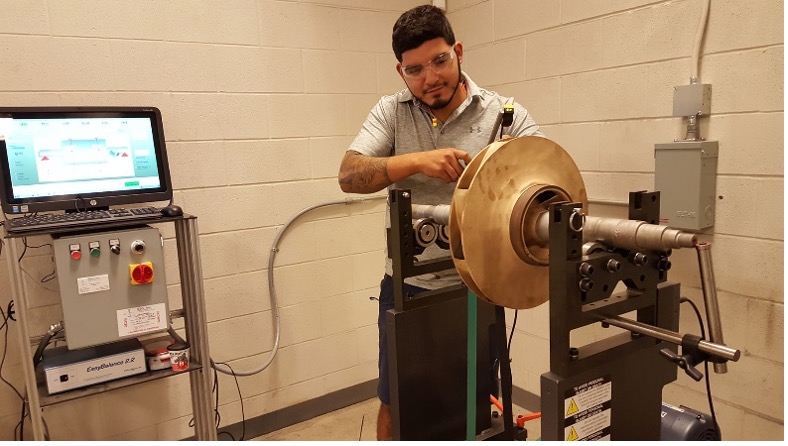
x=586, y=284
x=586, y=269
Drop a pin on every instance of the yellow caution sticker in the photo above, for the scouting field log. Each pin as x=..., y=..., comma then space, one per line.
x=572, y=408
x=572, y=435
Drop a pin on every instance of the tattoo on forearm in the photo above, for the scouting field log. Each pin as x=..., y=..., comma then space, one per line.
x=364, y=174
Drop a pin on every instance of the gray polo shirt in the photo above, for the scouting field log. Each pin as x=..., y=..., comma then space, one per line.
x=401, y=124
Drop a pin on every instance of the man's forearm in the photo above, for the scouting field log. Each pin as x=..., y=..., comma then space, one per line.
x=363, y=174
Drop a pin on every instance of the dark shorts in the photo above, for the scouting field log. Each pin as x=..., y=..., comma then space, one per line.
x=387, y=303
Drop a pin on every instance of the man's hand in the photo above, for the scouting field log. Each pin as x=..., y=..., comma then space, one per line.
x=443, y=164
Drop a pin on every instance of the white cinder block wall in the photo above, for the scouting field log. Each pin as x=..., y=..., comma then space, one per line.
x=260, y=99
x=599, y=76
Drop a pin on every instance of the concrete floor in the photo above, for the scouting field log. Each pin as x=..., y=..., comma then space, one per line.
x=354, y=423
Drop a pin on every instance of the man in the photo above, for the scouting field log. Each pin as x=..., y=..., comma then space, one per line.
x=420, y=139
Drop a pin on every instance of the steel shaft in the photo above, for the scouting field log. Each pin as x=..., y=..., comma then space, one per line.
x=710, y=348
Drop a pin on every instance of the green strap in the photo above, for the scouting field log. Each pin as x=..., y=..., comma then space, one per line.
x=470, y=423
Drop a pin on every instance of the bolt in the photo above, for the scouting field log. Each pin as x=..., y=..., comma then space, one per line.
x=613, y=265
x=586, y=269
x=605, y=325
x=586, y=284
x=664, y=264
x=640, y=259
x=405, y=194
x=574, y=353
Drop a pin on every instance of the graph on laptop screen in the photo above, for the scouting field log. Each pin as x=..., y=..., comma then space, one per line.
x=67, y=159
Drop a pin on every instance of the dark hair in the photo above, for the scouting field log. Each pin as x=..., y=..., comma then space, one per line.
x=420, y=24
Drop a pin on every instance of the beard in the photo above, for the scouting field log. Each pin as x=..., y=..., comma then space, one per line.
x=439, y=103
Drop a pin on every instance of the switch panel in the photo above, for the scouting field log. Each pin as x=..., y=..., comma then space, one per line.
x=107, y=298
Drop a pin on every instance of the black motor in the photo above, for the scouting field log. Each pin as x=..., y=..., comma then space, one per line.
x=685, y=424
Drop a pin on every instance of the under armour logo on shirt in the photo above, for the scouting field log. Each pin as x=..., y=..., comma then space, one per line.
x=474, y=129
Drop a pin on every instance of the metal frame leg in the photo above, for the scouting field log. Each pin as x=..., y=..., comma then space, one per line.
x=19, y=294
x=187, y=238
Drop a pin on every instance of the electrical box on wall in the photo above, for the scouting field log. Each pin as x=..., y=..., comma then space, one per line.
x=692, y=100
x=685, y=173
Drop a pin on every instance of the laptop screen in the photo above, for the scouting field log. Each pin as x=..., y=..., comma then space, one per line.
x=81, y=158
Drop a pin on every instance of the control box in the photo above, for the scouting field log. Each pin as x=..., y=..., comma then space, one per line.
x=112, y=285
x=71, y=369
x=685, y=174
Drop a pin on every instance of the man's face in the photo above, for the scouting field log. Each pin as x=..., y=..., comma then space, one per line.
x=432, y=72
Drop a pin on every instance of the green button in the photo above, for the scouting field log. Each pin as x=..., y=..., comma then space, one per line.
x=95, y=252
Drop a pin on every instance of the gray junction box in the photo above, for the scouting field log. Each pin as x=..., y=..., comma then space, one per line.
x=685, y=174
x=101, y=301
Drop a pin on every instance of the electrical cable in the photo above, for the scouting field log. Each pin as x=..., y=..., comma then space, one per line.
x=218, y=417
x=511, y=335
x=5, y=349
x=35, y=247
x=6, y=315
x=42, y=345
x=706, y=366
x=20, y=426
x=240, y=399
x=40, y=281
x=48, y=277
x=704, y=15
x=223, y=368
x=509, y=344
x=24, y=251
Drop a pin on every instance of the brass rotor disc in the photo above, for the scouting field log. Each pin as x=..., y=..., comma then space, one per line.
x=493, y=213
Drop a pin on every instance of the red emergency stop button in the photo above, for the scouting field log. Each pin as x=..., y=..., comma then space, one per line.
x=76, y=255
x=141, y=273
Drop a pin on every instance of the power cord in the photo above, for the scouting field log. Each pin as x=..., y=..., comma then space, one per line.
x=508, y=344
x=705, y=365
x=20, y=426
x=511, y=335
x=218, y=417
x=6, y=315
x=240, y=399
x=48, y=277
